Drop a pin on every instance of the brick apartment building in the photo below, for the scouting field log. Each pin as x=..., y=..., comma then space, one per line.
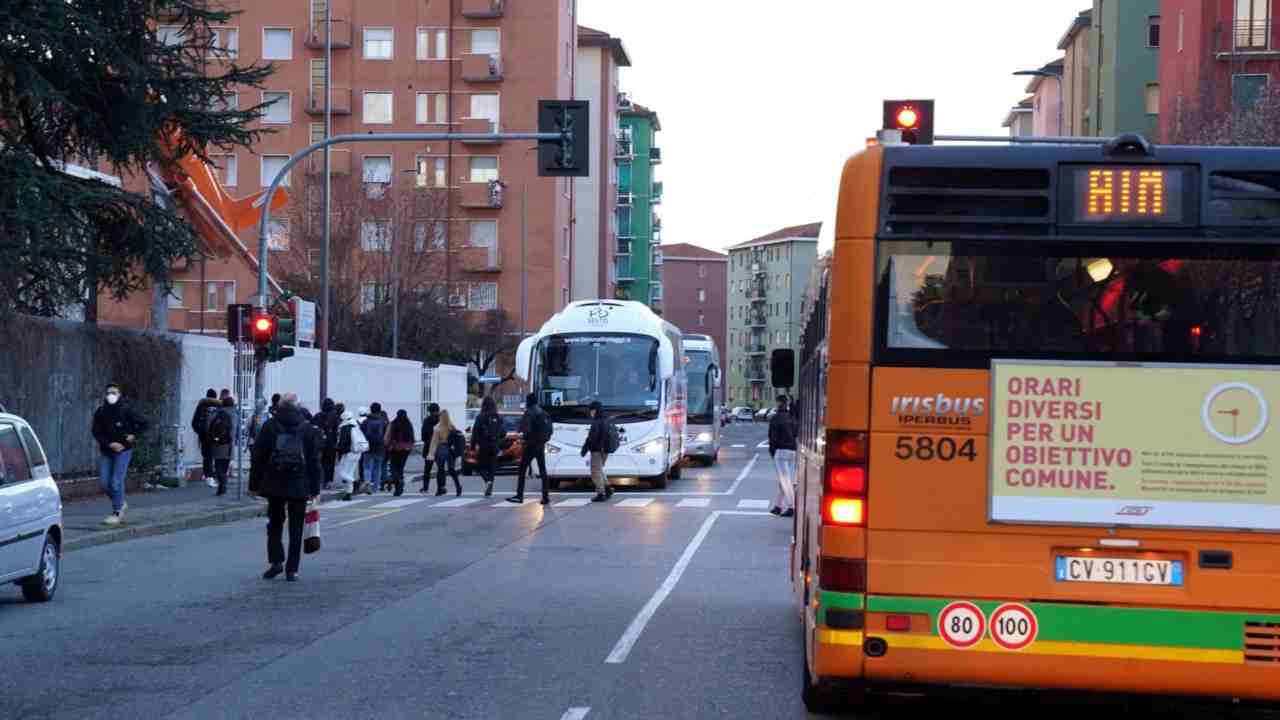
x=402, y=66
x=697, y=286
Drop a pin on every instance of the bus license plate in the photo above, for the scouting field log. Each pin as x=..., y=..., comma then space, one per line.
x=1118, y=571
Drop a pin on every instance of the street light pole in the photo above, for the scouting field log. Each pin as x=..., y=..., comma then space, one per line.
x=1062, y=94
x=323, y=330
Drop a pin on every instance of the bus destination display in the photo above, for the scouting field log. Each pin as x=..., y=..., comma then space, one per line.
x=1141, y=194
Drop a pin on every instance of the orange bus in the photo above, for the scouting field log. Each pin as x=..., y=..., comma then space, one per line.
x=1037, y=443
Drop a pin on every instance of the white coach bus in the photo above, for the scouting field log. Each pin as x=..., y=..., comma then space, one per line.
x=622, y=354
x=702, y=369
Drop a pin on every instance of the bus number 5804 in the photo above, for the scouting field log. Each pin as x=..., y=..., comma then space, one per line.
x=925, y=447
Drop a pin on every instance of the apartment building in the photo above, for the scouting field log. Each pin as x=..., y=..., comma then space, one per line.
x=474, y=66
x=696, y=281
x=638, y=262
x=595, y=198
x=1124, y=85
x=767, y=278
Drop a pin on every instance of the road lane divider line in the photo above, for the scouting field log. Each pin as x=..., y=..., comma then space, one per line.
x=745, y=471
x=575, y=713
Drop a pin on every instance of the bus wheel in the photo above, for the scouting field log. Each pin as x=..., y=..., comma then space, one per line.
x=659, y=482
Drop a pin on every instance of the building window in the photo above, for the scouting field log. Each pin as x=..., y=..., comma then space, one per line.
x=431, y=172
x=277, y=44
x=1153, y=31
x=482, y=296
x=378, y=43
x=702, y=319
x=702, y=296
x=375, y=236
x=1253, y=24
x=432, y=108
x=437, y=236
x=486, y=42
x=485, y=105
x=227, y=169
x=174, y=297
x=226, y=43
x=433, y=44
x=170, y=34
x=1247, y=90
x=279, y=108
x=376, y=175
x=278, y=235
x=484, y=169
x=271, y=165
x=377, y=108
x=483, y=234
x=1153, y=98
x=702, y=270
x=371, y=294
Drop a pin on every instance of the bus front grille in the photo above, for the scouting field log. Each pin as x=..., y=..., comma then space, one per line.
x=1262, y=643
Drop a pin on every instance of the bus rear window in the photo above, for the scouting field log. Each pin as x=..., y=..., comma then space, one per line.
x=1207, y=303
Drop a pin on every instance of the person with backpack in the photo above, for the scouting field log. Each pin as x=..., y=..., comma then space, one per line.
x=375, y=431
x=286, y=471
x=428, y=431
x=327, y=420
x=200, y=425
x=399, y=444
x=350, y=448
x=222, y=437
x=486, y=437
x=447, y=445
x=536, y=428
x=602, y=439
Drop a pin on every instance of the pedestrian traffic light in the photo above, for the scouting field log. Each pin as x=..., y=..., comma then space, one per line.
x=913, y=117
x=286, y=338
x=570, y=155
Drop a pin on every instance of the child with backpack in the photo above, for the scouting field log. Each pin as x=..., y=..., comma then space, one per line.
x=221, y=437
x=351, y=447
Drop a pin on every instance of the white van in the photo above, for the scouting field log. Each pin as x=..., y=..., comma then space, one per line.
x=30, y=513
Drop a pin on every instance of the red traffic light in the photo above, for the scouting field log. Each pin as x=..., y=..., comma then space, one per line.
x=908, y=118
x=263, y=327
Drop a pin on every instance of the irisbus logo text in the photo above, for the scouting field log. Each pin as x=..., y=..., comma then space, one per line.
x=937, y=409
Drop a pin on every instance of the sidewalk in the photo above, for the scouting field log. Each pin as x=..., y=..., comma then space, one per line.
x=159, y=512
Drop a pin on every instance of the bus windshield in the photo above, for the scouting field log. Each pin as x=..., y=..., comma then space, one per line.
x=1067, y=300
x=620, y=371
x=701, y=397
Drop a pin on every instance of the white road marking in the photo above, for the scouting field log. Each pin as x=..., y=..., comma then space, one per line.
x=370, y=516
x=694, y=502
x=628, y=639
x=406, y=502
x=634, y=502
x=527, y=502
x=456, y=502
x=573, y=502
x=764, y=445
x=739, y=445
x=575, y=713
x=753, y=504
x=338, y=504
x=745, y=471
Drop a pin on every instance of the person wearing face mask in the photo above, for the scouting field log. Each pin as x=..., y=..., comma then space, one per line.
x=116, y=427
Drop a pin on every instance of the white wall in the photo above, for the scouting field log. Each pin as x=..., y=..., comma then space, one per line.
x=449, y=390
x=207, y=362
x=591, y=229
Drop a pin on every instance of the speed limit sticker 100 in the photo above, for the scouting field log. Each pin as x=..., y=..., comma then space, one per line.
x=961, y=625
x=1013, y=626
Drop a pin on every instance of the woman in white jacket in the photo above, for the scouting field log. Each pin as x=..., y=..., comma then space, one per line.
x=351, y=446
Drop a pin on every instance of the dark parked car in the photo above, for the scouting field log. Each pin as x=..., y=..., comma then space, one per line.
x=510, y=450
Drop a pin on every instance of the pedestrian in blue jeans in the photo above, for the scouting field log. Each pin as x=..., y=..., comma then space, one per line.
x=375, y=460
x=116, y=427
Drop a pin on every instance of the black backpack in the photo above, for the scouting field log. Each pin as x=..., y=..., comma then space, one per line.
x=611, y=437
x=288, y=457
x=545, y=427
x=457, y=443
x=220, y=428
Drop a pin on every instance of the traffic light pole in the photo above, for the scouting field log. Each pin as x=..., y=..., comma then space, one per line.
x=260, y=376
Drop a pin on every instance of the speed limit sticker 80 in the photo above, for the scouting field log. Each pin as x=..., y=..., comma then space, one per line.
x=961, y=625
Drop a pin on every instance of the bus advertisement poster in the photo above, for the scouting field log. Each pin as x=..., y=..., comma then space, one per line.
x=1190, y=446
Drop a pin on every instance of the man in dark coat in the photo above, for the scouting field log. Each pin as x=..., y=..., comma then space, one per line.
x=536, y=429
x=286, y=471
x=428, y=429
x=782, y=448
x=597, y=445
x=204, y=411
x=327, y=421
x=116, y=427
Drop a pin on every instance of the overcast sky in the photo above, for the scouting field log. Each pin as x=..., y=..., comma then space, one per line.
x=761, y=103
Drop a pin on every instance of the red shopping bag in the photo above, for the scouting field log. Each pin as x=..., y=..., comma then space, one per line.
x=311, y=530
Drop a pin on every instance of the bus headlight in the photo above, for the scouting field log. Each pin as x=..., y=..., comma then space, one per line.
x=653, y=447
x=704, y=437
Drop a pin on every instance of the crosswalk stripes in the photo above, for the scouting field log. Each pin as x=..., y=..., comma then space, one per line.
x=635, y=502
x=573, y=502
x=405, y=502
x=753, y=504
x=456, y=502
x=694, y=503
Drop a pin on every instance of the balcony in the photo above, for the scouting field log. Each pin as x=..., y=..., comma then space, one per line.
x=482, y=68
x=624, y=102
x=339, y=103
x=656, y=198
x=756, y=292
x=625, y=199
x=756, y=348
x=622, y=268
x=758, y=268
x=1252, y=35
x=655, y=156
x=339, y=163
x=478, y=126
x=657, y=222
x=340, y=17
x=481, y=260
x=483, y=9
x=482, y=195
x=756, y=320
x=624, y=149
x=755, y=375
x=624, y=246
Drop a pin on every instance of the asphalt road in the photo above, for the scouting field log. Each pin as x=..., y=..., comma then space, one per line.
x=658, y=604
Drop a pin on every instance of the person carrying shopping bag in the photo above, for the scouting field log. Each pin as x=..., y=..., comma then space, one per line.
x=351, y=446
x=399, y=442
x=447, y=446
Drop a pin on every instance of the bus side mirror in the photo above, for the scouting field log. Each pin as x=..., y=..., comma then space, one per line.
x=782, y=364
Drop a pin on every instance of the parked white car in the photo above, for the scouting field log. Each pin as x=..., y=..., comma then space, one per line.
x=742, y=413
x=30, y=513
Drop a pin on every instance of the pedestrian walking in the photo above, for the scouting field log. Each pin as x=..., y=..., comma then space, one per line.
x=223, y=430
x=428, y=430
x=375, y=430
x=448, y=444
x=361, y=415
x=602, y=439
x=328, y=420
x=350, y=448
x=782, y=448
x=486, y=437
x=399, y=444
x=536, y=428
x=116, y=427
x=285, y=470
x=200, y=425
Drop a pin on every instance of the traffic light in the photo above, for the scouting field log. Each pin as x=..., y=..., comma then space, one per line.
x=570, y=156
x=238, y=321
x=913, y=117
x=285, y=339
x=262, y=329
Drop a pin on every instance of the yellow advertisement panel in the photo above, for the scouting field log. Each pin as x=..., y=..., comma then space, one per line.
x=1126, y=444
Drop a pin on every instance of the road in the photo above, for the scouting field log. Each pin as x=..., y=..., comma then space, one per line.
x=667, y=604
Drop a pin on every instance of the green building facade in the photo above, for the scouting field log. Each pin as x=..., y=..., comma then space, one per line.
x=1125, y=67
x=638, y=264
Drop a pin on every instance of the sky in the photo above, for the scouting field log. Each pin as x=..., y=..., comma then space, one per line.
x=761, y=102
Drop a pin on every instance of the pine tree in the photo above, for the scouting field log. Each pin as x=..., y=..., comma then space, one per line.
x=98, y=83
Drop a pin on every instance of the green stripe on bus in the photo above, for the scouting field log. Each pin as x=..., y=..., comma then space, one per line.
x=1107, y=625
x=839, y=601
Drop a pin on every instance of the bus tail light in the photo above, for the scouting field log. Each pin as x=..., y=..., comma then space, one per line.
x=842, y=575
x=898, y=623
x=851, y=512
x=849, y=479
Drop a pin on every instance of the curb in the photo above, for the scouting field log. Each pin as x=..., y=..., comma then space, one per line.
x=190, y=522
